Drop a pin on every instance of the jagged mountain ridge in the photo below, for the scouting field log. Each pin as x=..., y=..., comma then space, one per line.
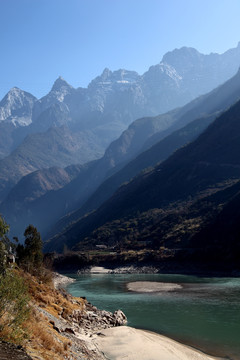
x=114, y=99
x=117, y=98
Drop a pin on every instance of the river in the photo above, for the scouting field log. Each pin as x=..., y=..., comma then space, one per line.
x=204, y=313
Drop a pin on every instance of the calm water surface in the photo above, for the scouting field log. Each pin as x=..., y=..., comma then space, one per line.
x=205, y=313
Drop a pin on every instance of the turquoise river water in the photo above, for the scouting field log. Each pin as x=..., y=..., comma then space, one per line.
x=204, y=313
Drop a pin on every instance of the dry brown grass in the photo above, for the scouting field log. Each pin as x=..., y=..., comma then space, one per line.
x=44, y=341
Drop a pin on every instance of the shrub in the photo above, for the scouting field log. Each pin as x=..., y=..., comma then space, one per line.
x=14, y=309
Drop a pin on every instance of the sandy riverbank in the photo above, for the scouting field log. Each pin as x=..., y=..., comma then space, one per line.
x=132, y=344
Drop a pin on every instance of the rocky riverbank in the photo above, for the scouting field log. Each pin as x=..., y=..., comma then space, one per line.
x=61, y=281
x=101, y=336
x=84, y=325
x=131, y=269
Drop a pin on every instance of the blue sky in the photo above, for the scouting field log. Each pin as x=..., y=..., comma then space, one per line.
x=77, y=39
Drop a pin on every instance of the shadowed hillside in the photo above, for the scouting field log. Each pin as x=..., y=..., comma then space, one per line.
x=206, y=166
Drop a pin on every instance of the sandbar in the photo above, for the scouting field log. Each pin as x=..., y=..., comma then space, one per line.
x=129, y=343
x=152, y=286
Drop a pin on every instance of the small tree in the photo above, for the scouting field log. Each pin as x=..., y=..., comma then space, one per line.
x=33, y=255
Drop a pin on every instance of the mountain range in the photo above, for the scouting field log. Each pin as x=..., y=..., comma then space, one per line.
x=114, y=99
x=75, y=126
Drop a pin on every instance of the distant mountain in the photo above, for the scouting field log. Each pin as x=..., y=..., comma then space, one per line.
x=207, y=165
x=17, y=107
x=58, y=146
x=200, y=70
x=39, y=182
x=33, y=186
x=109, y=172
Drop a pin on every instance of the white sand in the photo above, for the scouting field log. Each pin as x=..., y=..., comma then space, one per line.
x=126, y=343
x=152, y=286
x=99, y=270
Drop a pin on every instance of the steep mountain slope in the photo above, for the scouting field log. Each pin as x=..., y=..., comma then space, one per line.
x=58, y=146
x=212, y=158
x=37, y=183
x=208, y=164
x=149, y=158
x=32, y=187
x=220, y=236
